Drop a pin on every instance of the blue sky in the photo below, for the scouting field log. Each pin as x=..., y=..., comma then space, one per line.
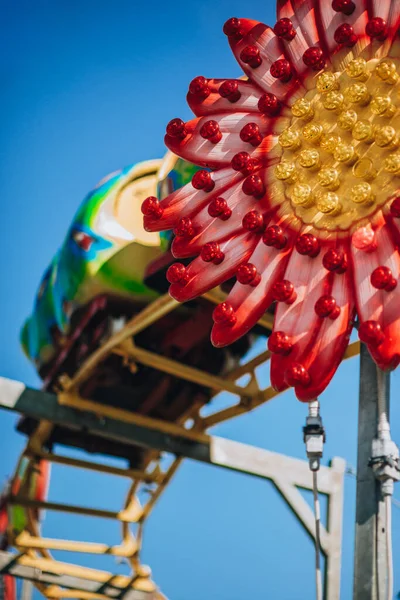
x=88, y=87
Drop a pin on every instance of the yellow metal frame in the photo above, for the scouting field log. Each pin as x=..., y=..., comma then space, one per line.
x=36, y=550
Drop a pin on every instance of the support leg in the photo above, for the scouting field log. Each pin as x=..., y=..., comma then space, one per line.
x=370, y=566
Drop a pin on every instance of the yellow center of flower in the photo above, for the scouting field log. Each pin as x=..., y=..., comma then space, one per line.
x=340, y=156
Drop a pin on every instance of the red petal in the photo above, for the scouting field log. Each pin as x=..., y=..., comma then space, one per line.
x=389, y=10
x=215, y=103
x=299, y=320
x=379, y=305
x=324, y=356
x=250, y=303
x=268, y=44
x=202, y=276
x=303, y=19
x=330, y=20
x=187, y=201
x=194, y=148
x=317, y=19
x=211, y=229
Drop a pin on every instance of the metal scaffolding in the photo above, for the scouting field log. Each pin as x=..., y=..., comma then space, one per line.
x=185, y=438
x=286, y=473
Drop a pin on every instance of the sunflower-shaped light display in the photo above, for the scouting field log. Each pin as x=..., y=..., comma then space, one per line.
x=298, y=199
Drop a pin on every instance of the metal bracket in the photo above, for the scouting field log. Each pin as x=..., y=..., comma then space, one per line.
x=385, y=464
x=314, y=436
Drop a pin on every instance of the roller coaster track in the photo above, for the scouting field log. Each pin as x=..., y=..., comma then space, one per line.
x=56, y=579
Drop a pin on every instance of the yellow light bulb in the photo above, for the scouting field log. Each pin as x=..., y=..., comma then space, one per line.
x=328, y=203
x=362, y=193
x=285, y=171
x=289, y=139
x=383, y=106
x=392, y=164
x=347, y=120
x=357, y=93
x=303, y=109
x=326, y=82
x=363, y=131
x=330, y=141
x=302, y=195
x=386, y=137
x=333, y=101
x=309, y=159
x=329, y=177
x=312, y=132
x=345, y=153
x=386, y=70
x=357, y=69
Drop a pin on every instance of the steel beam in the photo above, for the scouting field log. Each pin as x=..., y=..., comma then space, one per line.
x=9, y=563
x=158, y=435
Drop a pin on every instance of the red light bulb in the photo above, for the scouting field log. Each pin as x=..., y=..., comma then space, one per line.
x=202, y=180
x=250, y=55
x=218, y=208
x=211, y=131
x=347, y=7
x=370, y=332
x=364, y=239
x=345, y=35
x=382, y=279
x=211, y=252
x=241, y=161
x=230, y=90
x=326, y=307
x=247, y=274
x=284, y=29
x=177, y=129
x=376, y=29
x=279, y=343
x=314, y=58
x=184, y=228
x=296, y=375
x=253, y=186
x=307, y=245
x=251, y=133
x=151, y=208
x=177, y=273
x=280, y=69
x=233, y=28
x=274, y=236
x=253, y=221
x=269, y=105
x=199, y=88
x=283, y=291
x=224, y=314
x=335, y=260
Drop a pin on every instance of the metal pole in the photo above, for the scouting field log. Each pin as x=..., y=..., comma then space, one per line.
x=370, y=565
x=27, y=588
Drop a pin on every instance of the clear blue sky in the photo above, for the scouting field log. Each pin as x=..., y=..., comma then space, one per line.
x=87, y=87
